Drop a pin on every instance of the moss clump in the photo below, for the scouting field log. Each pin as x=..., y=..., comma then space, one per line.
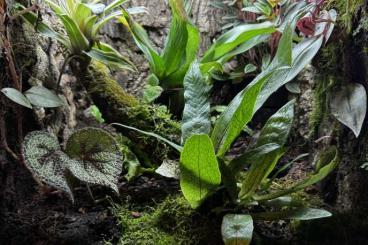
x=169, y=222
x=117, y=105
x=346, y=10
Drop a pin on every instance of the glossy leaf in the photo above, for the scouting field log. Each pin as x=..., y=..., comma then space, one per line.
x=349, y=105
x=43, y=97
x=234, y=37
x=200, y=173
x=242, y=108
x=196, y=115
x=16, y=96
x=237, y=229
x=278, y=126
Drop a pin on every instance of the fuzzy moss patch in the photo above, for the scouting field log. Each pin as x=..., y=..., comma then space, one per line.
x=169, y=222
x=346, y=10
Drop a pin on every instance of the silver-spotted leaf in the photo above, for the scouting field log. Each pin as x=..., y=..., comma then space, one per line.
x=237, y=229
x=199, y=169
x=98, y=155
x=46, y=161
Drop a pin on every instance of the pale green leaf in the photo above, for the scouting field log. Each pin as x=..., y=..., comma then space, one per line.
x=349, y=105
x=301, y=213
x=42, y=97
x=200, y=173
x=16, y=96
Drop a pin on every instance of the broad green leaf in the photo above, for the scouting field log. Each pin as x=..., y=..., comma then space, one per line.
x=278, y=126
x=170, y=143
x=44, y=158
x=329, y=160
x=98, y=156
x=237, y=229
x=43, y=97
x=196, y=115
x=16, y=96
x=235, y=37
x=301, y=213
x=200, y=173
x=349, y=105
x=302, y=55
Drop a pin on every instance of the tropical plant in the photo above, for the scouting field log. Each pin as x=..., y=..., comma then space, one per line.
x=204, y=164
x=91, y=155
x=82, y=21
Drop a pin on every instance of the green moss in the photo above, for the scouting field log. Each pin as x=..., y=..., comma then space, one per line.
x=119, y=106
x=346, y=10
x=169, y=222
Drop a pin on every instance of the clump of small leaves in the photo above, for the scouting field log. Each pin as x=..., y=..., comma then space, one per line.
x=92, y=156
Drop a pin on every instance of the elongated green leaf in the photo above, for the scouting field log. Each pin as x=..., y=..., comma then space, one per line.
x=303, y=54
x=113, y=5
x=110, y=58
x=200, y=173
x=328, y=162
x=242, y=108
x=349, y=105
x=260, y=168
x=78, y=41
x=196, y=115
x=246, y=159
x=16, y=96
x=278, y=126
x=237, y=229
x=42, y=97
x=234, y=37
x=302, y=213
x=170, y=143
x=141, y=38
x=181, y=46
x=96, y=8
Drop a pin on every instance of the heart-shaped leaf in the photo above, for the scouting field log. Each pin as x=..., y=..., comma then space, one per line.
x=46, y=161
x=237, y=229
x=100, y=161
x=43, y=97
x=16, y=96
x=349, y=106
